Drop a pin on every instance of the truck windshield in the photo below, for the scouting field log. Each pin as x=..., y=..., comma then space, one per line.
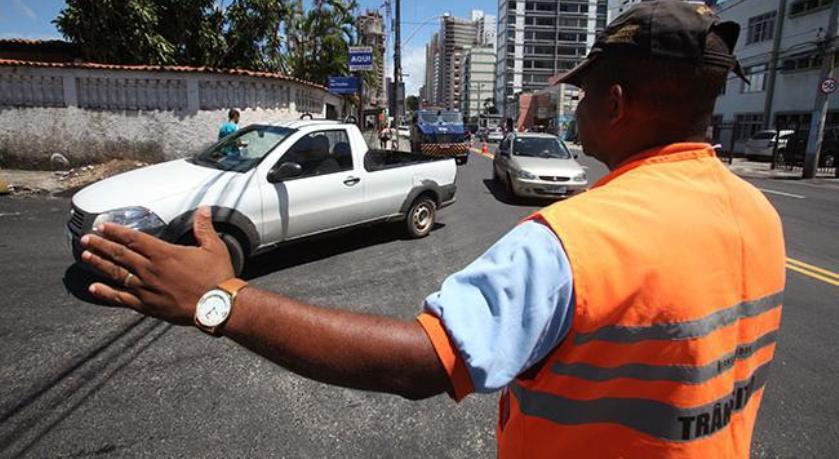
x=428, y=118
x=243, y=150
x=539, y=147
x=452, y=118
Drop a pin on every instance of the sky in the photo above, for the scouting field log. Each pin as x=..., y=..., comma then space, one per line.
x=32, y=19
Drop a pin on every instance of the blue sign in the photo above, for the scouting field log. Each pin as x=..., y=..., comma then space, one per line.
x=361, y=58
x=343, y=85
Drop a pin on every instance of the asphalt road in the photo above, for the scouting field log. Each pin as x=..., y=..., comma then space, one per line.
x=80, y=379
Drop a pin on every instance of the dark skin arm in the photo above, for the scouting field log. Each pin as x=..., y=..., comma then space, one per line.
x=329, y=345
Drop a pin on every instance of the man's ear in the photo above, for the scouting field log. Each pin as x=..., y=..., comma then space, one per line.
x=617, y=104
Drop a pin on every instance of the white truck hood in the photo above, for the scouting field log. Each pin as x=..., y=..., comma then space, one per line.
x=144, y=186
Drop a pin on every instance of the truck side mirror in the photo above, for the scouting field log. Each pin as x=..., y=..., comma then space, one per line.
x=284, y=171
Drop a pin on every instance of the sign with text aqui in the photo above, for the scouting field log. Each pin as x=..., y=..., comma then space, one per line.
x=343, y=85
x=361, y=58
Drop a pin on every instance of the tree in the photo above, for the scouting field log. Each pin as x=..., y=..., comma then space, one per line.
x=268, y=35
x=412, y=102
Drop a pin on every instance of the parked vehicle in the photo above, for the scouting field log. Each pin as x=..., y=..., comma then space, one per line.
x=762, y=144
x=440, y=133
x=796, y=148
x=537, y=165
x=403, y=130
x=270, y=184
x=495, y=135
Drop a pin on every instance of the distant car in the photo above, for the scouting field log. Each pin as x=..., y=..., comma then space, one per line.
x=495, y=135
x=403, y=131
x=537, y=165
x=762, y=144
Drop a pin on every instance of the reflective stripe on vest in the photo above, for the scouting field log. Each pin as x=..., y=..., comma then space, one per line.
x=661, y=420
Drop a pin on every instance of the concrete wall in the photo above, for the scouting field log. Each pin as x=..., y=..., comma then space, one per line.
x=92, y=115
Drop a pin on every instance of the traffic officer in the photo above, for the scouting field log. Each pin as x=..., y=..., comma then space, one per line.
x=638, y=319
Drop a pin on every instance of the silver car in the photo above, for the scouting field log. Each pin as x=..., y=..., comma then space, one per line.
x=537, y=165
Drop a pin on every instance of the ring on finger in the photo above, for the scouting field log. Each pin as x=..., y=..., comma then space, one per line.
x=127, y=278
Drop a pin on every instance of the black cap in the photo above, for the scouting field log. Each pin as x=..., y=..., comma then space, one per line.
x=667, y=29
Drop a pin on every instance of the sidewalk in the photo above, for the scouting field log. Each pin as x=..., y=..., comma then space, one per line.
x=753, y=169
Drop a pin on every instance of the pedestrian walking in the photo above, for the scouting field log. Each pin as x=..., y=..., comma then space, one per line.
x=384, y=136
x=637, y=319
x=231, y=125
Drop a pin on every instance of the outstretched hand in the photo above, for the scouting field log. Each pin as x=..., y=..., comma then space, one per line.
x=154, y=277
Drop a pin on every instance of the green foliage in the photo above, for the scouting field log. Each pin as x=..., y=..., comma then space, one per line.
x=412, y=103
x=267, y=35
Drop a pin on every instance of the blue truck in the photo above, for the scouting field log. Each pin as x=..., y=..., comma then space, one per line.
x=440, y=133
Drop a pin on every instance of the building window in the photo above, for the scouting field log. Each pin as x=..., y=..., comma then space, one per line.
x=804, y=6
x=802, y=62
x=761, y=28
x=757, y=79
x=747, y=124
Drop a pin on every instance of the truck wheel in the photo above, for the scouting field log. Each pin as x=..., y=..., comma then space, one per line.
x=237, y=254
x=461, y=160
x=420, y=218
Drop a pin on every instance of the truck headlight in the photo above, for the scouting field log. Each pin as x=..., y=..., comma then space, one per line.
x=581, y=177
x=138, y=218
x=525, y=175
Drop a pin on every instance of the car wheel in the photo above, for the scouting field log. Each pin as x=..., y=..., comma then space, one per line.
x=234, y=248
x=509, y=187
x=828, y=160
x=237, y=253
x=421, y=216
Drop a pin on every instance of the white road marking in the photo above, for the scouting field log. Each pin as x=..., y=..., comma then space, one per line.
x=10, y=214
x=781, y=193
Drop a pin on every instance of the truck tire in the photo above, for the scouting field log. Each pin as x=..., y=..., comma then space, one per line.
x=461, y=160
x=234, y=248
x=237, y=254
x=421, y=217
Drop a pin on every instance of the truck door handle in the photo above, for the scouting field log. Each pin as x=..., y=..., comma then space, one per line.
x=350, y=181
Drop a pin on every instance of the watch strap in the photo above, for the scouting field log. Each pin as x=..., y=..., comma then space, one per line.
x=232, y=286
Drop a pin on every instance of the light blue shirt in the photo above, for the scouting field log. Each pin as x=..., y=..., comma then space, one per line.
x=509, y=308
x=226, y=129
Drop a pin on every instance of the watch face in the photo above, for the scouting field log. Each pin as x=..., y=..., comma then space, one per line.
x=213, y=308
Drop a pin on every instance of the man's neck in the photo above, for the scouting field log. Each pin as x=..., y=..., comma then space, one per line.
x=622, y=156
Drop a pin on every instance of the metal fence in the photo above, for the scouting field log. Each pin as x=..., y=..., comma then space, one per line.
x=787, y=152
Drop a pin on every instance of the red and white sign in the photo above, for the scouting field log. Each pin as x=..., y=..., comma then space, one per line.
x=828, y=86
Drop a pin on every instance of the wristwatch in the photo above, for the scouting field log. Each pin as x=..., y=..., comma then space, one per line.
x=214, y=308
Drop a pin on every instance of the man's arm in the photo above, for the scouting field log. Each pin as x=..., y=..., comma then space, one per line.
x=333, y=346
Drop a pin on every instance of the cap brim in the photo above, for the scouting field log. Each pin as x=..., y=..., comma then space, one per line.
x=574, y=76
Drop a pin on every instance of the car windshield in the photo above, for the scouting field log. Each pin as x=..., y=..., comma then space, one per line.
x=428, y=117
x=451, y=118
x=243, y=150
x=539, y=147
x=764, y=135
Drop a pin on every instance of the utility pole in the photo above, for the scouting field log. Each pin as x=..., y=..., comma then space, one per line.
x=397, y=102
x=814, y=143
x=773, y=66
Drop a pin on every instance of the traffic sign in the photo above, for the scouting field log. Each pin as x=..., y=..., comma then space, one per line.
x=343, y=85
x=361, y=58
x=828, y=86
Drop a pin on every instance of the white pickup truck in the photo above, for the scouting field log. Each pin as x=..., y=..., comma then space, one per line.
x=269, y=184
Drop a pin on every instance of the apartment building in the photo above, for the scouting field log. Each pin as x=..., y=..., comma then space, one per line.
x=478, y=80
x=372, y=31
x=538, y=39
x=781, y=48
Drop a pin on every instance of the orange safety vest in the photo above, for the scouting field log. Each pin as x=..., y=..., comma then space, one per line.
x=678, y=270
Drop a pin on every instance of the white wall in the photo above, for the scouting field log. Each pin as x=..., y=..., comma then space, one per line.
x=91, y=115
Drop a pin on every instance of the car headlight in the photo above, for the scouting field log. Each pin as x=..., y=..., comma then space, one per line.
x=581, y=177
x=525, y=175
x=138, y=218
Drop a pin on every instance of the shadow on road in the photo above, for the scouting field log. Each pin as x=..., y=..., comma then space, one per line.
x=498, y=191
x=321, y=247
x=77, y=280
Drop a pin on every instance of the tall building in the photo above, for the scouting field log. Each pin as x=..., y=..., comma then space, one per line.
x=538, y=39
x=478, y=80
x=372, y=30
x=445, y=54
x=617, y=7
x=781, y=48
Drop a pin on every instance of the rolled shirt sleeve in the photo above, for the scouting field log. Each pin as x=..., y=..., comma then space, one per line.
x=504, y=312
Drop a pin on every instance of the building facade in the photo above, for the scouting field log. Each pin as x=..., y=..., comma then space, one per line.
x=538, y=39
x=617, y=7
x=372, y=30
x=782, y=46
x=478, y=81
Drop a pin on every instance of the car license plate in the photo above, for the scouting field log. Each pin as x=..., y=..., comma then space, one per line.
x=556, y=189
